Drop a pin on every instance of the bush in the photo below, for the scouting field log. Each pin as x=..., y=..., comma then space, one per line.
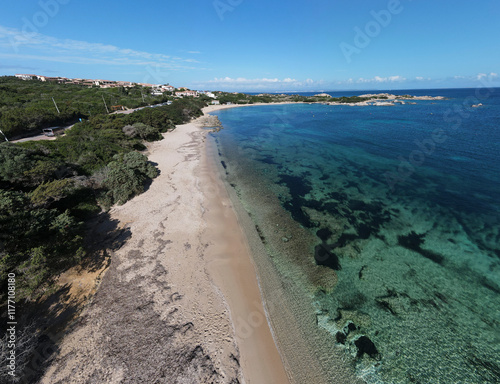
x=126, y=176
x=146, y=132
x=14, y=161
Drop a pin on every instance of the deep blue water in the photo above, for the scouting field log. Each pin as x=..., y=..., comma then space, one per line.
x=404, y=202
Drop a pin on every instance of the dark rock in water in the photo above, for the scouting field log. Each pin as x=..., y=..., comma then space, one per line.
x=364, y=231
x=323, y=256
x=497, y=252
x=414, y=241
x=365, y=345
x=351, y=327
x=261, y=235
x=331, y=208
x=437, y=258
x=358, y=205
x=490, y=285
x=297, y=185
x=341, y=337
x=294, y=206
x=360, y=273
x=441, y=297
x=385, y=304
x=346, y=238
x=267, y=159
x=324, y=234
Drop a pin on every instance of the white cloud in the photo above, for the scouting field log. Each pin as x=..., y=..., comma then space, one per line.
x=491, y=75
x=35, y=46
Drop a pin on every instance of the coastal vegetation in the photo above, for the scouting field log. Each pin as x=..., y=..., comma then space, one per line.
x=30, y=105
x=50, y=189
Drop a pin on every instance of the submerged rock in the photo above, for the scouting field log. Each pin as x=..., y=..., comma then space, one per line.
x=365, y=345
x=324, y=256
x=341, y=337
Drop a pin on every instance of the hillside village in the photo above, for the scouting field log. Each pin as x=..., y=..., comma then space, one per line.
x=156, y=89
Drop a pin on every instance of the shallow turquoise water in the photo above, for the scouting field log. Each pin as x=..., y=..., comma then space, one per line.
x=405, y=205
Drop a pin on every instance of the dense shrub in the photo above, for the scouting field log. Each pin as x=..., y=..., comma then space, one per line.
x=126, y=176
x=47, y=188
x=36, y=243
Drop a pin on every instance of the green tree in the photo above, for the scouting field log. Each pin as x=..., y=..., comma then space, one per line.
x=51, y=191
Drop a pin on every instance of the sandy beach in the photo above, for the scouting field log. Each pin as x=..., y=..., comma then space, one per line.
x=180, y=302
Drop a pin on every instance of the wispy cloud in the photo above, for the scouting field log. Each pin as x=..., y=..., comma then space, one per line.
x=36, y=46
x=289, y=83
x=265, y=83
x=242, y=80
x=378, y=79
x=9, y=66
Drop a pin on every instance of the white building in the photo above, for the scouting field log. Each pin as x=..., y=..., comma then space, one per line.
x=26, y=77
x=209, y=94
x=186, y=93
x=168, y=88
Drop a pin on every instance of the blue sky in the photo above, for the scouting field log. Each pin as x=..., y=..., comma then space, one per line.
x=257, y=45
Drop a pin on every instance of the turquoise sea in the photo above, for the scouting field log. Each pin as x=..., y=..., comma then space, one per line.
x=401, y=205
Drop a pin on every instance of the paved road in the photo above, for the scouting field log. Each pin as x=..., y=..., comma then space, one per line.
x=41, y=136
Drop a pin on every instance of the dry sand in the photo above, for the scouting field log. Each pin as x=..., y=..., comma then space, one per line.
x=180, y=302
